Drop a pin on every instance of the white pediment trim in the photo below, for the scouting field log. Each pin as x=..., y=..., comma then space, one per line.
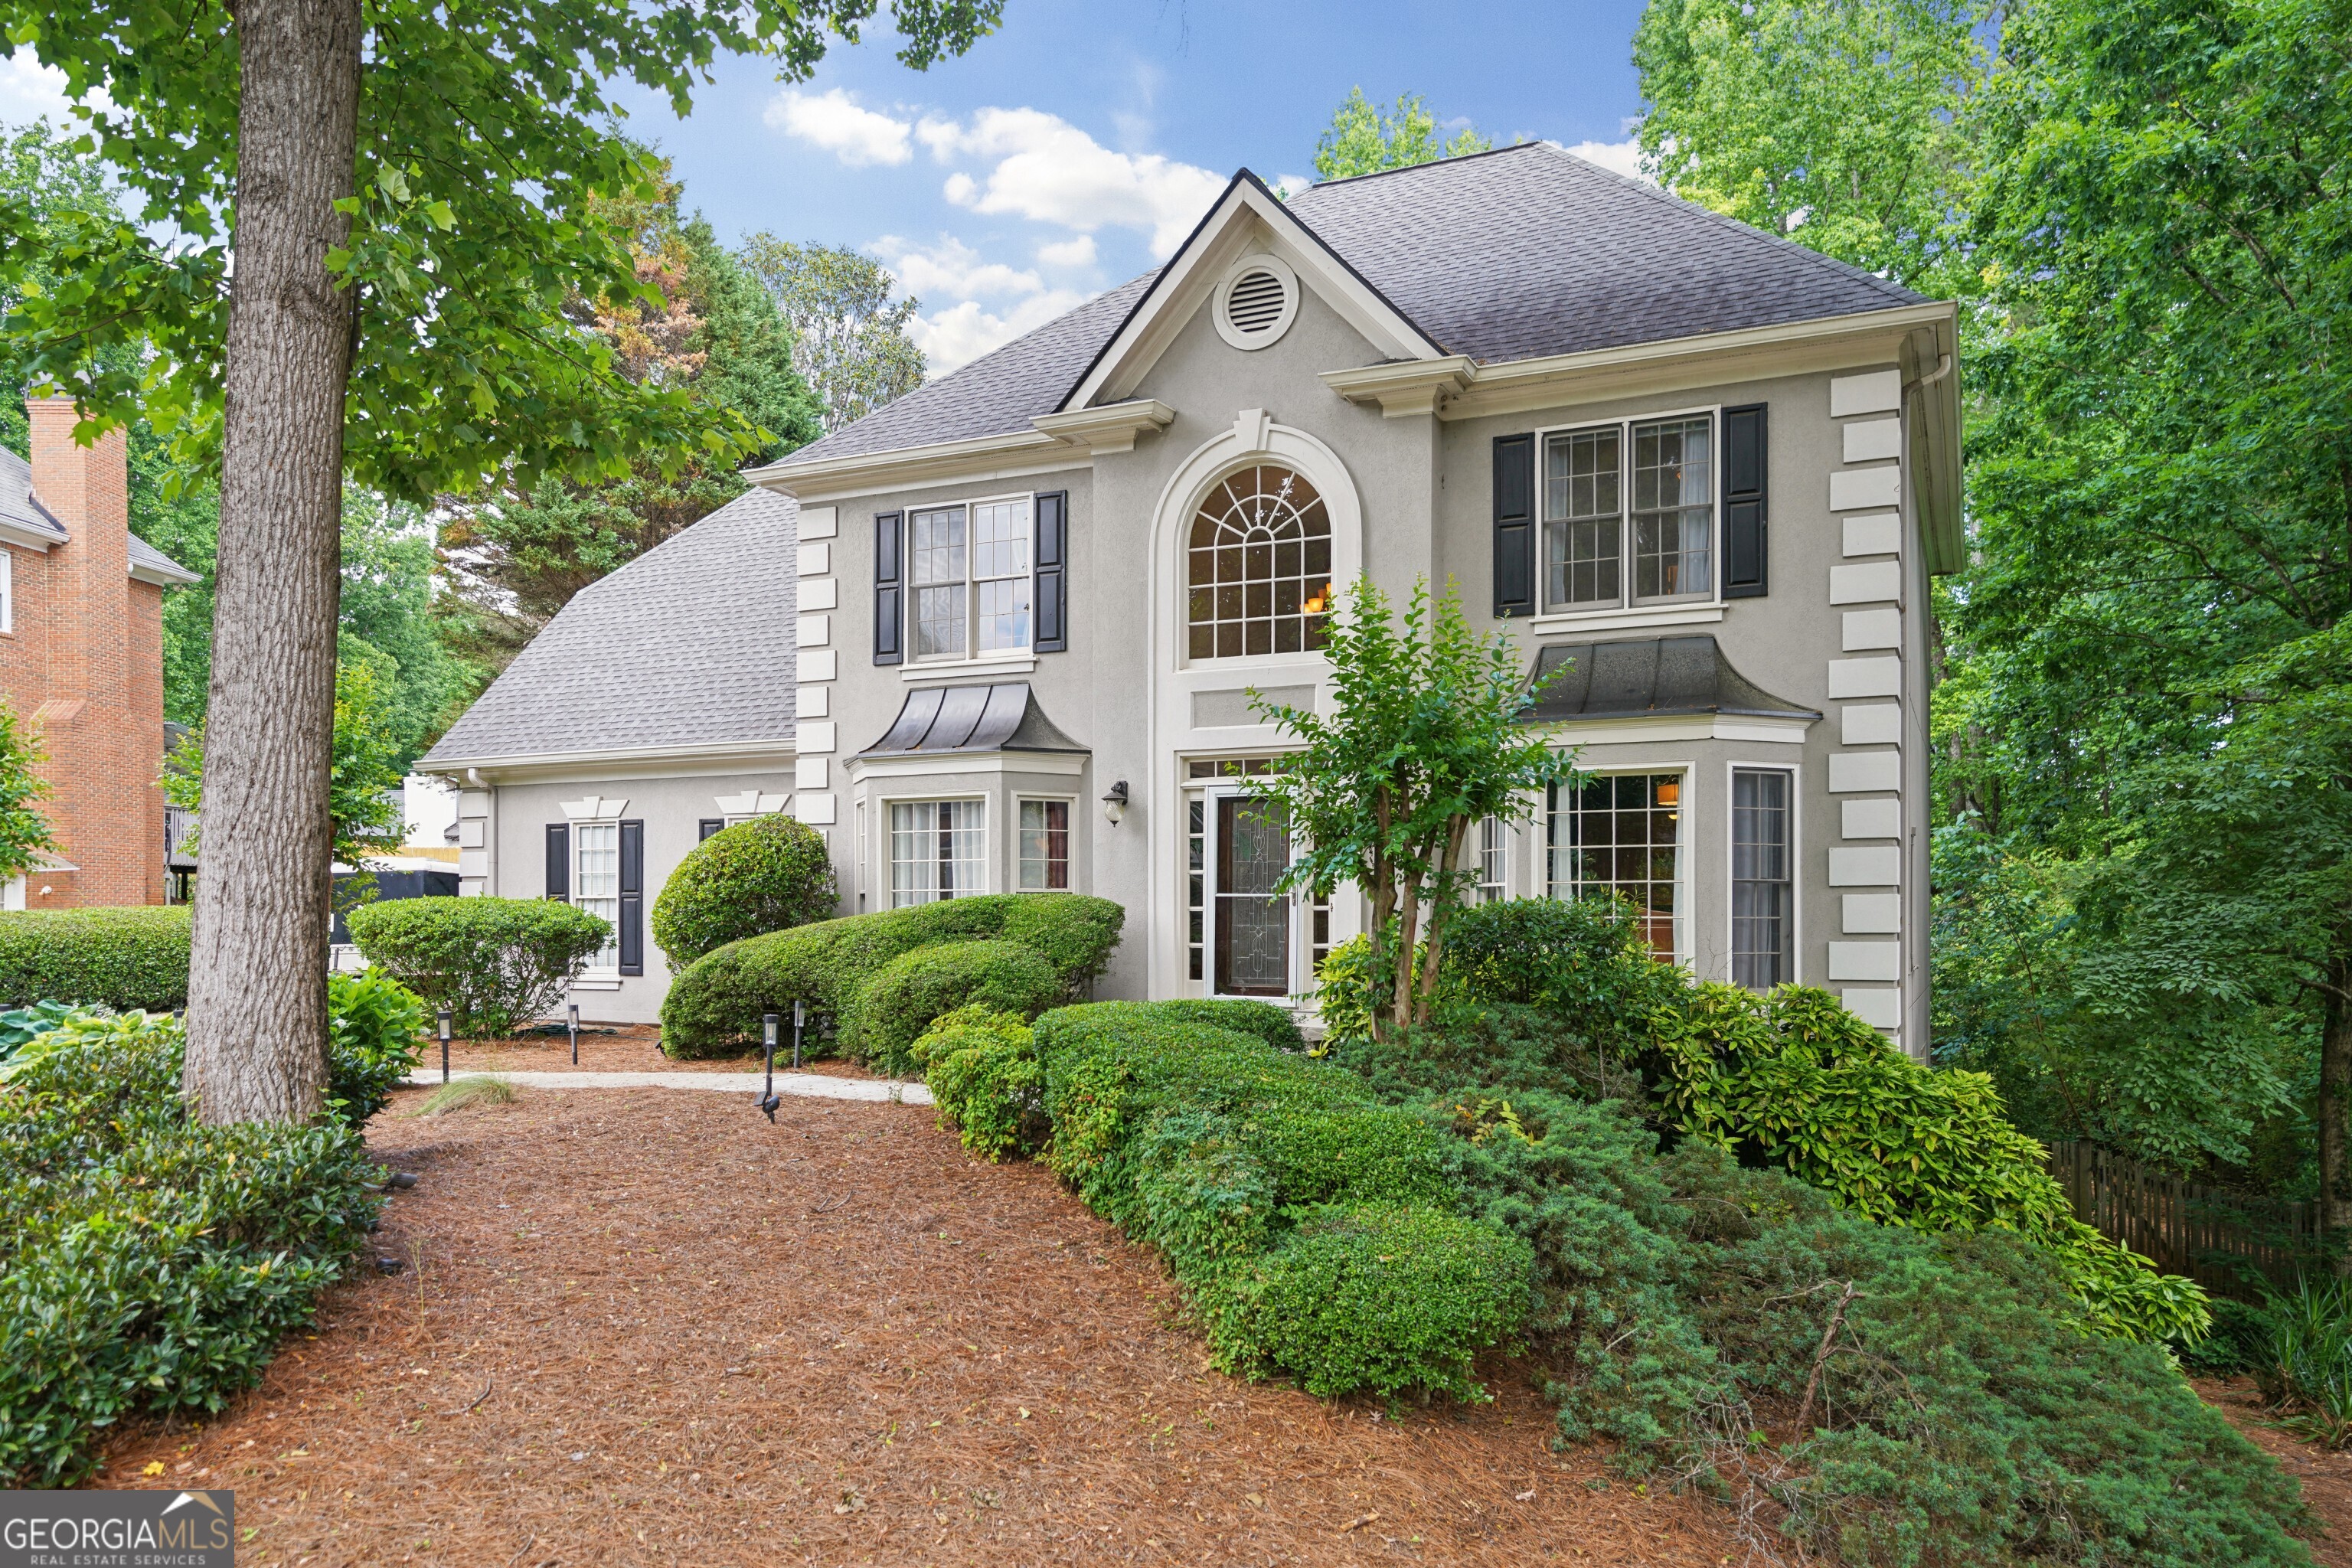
x=1246, y=218
x=750, y=803
x=595, y=808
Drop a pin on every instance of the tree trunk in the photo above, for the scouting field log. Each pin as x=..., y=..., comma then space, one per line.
x=2335, y=1098
x=258, y=976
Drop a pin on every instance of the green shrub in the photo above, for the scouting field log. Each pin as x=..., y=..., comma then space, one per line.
x=899, y=1002
x=770, y=873
x=124, y=958
x=715, y=1007
x=1816, y=1091
x=1265, y=1020
x=1377, y=1299
x=494, y=963
x=983, y=1072
x=2298, y=1344
x=1268, y=1177
x=147, y=1260
x=372, y=1024
x=20, y=1025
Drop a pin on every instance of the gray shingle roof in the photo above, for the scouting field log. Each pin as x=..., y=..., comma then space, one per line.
x=16, y=502
x=690, y=644
x=145, y=554
x=1515, y=253
x=1529, y=250
x=997, y=392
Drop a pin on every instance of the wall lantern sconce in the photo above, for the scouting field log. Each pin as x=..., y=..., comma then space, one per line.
x=1115, y=803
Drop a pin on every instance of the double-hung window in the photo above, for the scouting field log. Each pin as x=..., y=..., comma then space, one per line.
x=971, y=576
x=1045, y=845
x=1493, y=856
x=1621, y=834
x=596, y=885
x=1763, y=894
x=1629, y=514
x=937, y=850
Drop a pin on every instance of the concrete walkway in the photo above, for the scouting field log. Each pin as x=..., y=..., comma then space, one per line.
x=817, y=1086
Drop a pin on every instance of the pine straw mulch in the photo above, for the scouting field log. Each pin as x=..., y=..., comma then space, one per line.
x=641, y=1326
x=2325, y=1474
x=604, y=1047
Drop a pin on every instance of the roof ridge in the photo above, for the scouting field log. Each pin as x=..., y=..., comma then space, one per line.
x=1426, y=163
x=1659, y=193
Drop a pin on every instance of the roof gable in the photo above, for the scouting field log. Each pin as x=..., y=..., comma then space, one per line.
x=1245, y=220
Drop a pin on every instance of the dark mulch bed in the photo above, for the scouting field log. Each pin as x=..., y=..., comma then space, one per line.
x=604, y=1047
x=646, y=1327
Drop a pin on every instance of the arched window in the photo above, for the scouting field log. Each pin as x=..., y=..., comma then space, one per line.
x=1261, y=566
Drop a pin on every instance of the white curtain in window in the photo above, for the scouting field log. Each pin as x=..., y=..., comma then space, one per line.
x=937, y=850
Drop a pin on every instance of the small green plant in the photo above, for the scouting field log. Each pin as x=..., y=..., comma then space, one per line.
x=373, y=1022
x=899, y=1002
x=20, y=1026
x=768, y=874
x=982, y=1071
x=494, y=963
x=471, y=1093
x=2301, y=1356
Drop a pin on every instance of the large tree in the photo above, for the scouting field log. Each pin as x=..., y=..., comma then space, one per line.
x=407, y=188
x=849, y=336
x=1364, y=138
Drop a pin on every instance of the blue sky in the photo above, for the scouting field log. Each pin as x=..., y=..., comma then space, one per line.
x=1073, y=148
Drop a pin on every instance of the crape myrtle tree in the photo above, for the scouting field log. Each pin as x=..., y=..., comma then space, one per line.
x=1424, y=740
x=408, y=190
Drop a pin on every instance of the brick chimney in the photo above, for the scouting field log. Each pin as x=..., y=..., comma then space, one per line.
x=89, y=672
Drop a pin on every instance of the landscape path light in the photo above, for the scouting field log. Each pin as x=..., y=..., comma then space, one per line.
x=800, y=1015
x=768, y=1101
x=443, y=1021
x=572, y=1022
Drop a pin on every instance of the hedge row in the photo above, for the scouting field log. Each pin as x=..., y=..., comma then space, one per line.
x=128, y=958
x=147, y=1260
x=1313, y=1228
x=867, y=1007
x=494, y=963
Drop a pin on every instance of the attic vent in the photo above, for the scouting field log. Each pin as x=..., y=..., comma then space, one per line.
x=1258, y=302
x=1255, y=302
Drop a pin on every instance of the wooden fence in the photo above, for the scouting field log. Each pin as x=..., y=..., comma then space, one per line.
x=2216, y=1238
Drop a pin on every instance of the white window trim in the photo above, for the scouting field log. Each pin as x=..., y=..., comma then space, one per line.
x=596, y=971
x=971, y=660
x=8, y=595
x=1072, y=802
x=1796, y=863
x=883, y=803
x=1680, y=610
x=1684, y=882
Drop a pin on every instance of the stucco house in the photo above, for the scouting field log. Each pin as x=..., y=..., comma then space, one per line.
x=999, y=634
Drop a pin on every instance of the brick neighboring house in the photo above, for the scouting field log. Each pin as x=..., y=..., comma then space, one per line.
x=81, y=658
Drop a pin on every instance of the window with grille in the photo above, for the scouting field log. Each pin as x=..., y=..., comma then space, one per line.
x=596, y=884
x=1658, y=520
x=1494, y=841
x=1621, y=834
x=1763, y=900
x=1260, y=568
x=1045, y=845
x=969, y=570
x=937, y=850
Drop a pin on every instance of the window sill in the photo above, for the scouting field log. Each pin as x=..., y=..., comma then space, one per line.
x=954, y=668
x=1640, y=615
x=597, y=983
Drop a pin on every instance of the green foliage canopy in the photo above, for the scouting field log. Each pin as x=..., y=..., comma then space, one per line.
x=1365, y=138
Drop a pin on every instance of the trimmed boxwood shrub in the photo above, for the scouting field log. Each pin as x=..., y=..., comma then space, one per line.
x=146, y=1260
x=770, y=873
x=714, y=1008
x=124, y=958
x=1312, y=1228
x=902, y=999
x=494, y=963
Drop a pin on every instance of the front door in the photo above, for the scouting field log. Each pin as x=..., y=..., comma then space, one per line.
x=1252, y=921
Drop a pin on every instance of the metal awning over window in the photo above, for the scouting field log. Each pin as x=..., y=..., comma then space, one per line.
x=1648, y=677
x=1000, y=717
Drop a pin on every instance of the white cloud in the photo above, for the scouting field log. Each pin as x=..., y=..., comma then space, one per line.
x=30, y=91
x=1078, y=251
x=1049, y=171
x=954, y=270
x=1288, y=185
x=963, y=332
x=838, y=124
x=1617, y=157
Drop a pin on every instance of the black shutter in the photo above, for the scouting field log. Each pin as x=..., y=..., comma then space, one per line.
x=1745, y=538
x=709, y=825
x=559, y=861
x=1052, y=573
x=1514, y=525
x=633, y=897
x=889, y=590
